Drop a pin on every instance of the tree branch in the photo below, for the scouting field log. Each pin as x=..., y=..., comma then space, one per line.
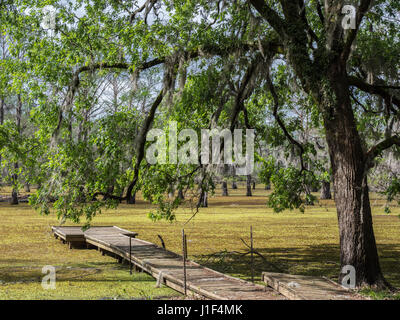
x=244, y=91
x=381, y=146
x=108, y=195
x=141, y=141
x=270, y=15
x=280, y=122
x=319, y=11
x=303, y=16
x=366, y=110
x=373, y=89
x=270, y=45
x=352, y=33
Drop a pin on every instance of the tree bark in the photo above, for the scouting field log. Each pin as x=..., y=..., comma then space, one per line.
x=357, y=240
x=180, y=194
x=326, y=190
x=224, y=189
x=203, y=200
x=110, y=190
x=349, y=168
x=233, y=172
x=132, y=198
x=14, y=194
x=14, y=197
x=248, y=186
x=1, y=110
x=1, y=122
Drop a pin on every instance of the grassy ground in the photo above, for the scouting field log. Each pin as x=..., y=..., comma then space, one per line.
x=290, y=242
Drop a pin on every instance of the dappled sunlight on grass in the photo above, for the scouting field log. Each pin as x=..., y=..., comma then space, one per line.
x=26, y=245
x=292, y=242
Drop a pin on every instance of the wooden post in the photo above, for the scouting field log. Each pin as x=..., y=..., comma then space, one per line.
x=186, y=249
x=252, y=256
x=130, y=255
x=184, y=260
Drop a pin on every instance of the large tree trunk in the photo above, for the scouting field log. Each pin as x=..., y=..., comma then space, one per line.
x=357, y=240
x=203, y=199
x=233, y=171
x=132, y=199
x=224, y=189
x=248, y=186
x=326, y=190
x=14, y=196
x=14, y=193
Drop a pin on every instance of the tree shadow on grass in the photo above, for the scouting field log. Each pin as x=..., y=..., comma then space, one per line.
x=88, y=272
x=317, y=260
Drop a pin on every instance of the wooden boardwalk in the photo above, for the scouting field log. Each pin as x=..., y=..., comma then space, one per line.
x=298, y=287
x=164, y=265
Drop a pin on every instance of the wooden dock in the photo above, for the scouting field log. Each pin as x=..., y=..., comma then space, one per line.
x=164, y=265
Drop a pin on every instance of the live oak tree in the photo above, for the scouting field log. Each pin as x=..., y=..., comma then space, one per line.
x=219, y=64
x=321, y=57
